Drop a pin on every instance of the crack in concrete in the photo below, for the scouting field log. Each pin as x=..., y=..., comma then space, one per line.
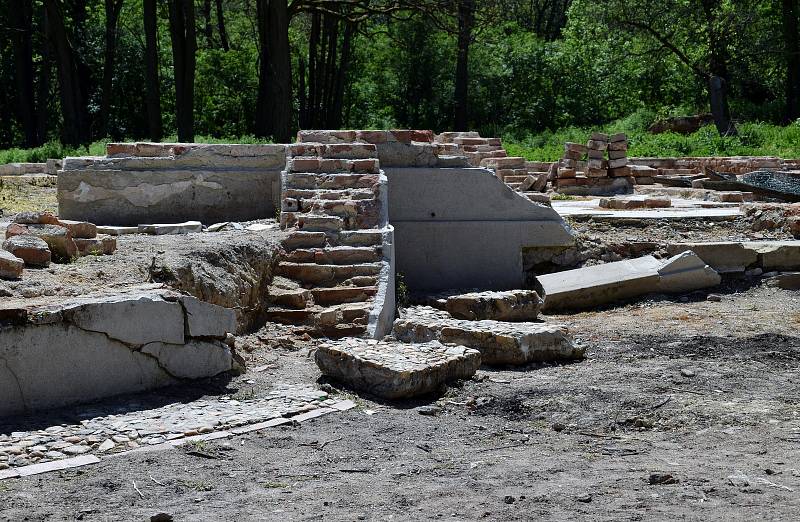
x=16, y=380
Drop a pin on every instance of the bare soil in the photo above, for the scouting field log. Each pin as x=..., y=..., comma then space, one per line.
x=684, y=408
x=705, y=392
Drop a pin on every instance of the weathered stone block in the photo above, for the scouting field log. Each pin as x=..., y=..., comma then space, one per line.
x=31, y=249
x=79, y=229
x=36, y=218
x=511, y=305
x=10, y=265
x=395, y=370
x=58, y=239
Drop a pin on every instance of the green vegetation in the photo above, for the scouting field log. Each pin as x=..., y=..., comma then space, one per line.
x=753, y=139
x=535, y=72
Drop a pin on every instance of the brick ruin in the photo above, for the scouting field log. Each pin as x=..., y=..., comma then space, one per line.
x=446, y=211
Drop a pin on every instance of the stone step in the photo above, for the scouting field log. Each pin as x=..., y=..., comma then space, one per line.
x=513, y=162
x=341, y=295
x=327, y=194
x=514, y=186
x=342, y=255
x=360, y=237
x=313, y=164
x=319, y=223
x=301, y=239
x=296, y=299
x=325, y=181
x=325, y=275
x=333, y=150
x=515, y=178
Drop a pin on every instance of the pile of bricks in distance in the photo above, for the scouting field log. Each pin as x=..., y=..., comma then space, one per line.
x=474, y=147
x=602, y=157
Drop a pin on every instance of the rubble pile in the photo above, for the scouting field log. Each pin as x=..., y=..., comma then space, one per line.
x=34, y=239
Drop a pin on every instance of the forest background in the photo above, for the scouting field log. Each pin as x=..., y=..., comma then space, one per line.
x=75, y=74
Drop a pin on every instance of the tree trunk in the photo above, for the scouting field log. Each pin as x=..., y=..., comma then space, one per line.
x=113, y=8
x=466, y=18
x=720, y=110
x=301, y=93
x=74, y=106
x=274, y=104
x=341, y=76
x=43, y=89
x=223, y=33
x=208, y=31
x=313, y=43
x=151, y=76
x=21, y=20
x=184, y=46
x=792, y=50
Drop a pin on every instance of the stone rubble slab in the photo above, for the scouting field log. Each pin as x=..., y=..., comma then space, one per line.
x=395, y=370
x=500, y=343
x=510, y=305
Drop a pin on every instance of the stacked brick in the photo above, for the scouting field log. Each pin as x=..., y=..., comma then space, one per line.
x=333, y=259
x=595, y=164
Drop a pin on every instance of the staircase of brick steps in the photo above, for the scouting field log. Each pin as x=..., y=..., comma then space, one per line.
x=328, y=274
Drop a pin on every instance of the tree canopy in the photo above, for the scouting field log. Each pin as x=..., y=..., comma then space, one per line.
x=82, y=70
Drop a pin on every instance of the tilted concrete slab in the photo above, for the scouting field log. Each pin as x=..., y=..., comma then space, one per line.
x=56, y=351
x=686, y=272
x=500, y=343
x=601, y=284
x=465, y=228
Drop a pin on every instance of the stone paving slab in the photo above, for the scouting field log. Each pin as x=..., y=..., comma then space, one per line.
x=395, y=370
x=135, y=425
x=500, y=343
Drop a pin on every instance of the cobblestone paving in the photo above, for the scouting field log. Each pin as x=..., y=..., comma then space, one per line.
x=123, y=427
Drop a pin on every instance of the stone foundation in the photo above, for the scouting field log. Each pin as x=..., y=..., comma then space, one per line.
x=169, y=182
x=60, y=351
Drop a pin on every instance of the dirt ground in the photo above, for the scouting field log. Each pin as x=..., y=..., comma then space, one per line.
x=684, y=408
x=705, y=392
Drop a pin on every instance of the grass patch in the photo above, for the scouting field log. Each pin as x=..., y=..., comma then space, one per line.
x=754, y=139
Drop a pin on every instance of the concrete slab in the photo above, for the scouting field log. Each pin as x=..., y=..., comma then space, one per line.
x=722, y=256
x=600, y=284
x=686, y=272
x=776, y=255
